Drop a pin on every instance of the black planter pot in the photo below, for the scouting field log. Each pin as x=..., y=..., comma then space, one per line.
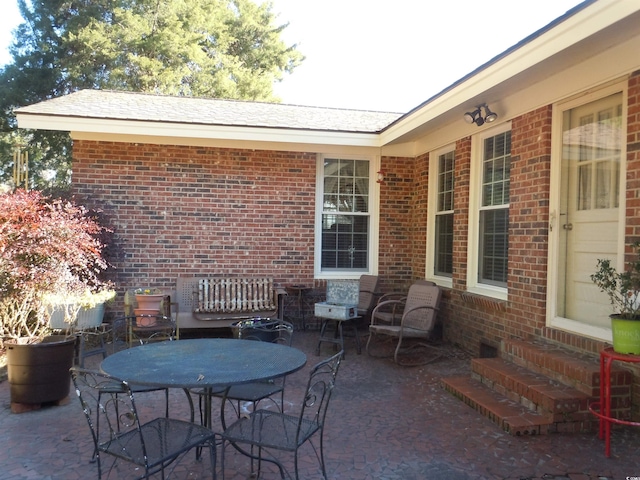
x=39, y=373
x=258, y=329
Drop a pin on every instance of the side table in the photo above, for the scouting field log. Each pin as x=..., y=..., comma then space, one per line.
x=602, y=409
x=300, y=291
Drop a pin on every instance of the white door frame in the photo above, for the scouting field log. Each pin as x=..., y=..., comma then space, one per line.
x=555, y=223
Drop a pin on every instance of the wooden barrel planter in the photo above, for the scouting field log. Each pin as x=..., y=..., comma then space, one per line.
x=38, y=373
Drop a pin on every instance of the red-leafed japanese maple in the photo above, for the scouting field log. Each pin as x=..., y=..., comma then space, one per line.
x=47, y=246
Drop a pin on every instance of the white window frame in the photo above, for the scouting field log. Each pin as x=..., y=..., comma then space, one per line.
x=374, y=209
x=432, y=213
x=475, y=203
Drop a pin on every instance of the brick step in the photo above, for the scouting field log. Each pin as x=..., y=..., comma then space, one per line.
x=511, y=416
x=532, y=390
x=578, y=370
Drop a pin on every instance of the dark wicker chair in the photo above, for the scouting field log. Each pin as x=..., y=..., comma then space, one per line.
x=113, y=419
x=269, y=431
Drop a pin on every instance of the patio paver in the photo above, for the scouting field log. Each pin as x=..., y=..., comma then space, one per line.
x=386, y=422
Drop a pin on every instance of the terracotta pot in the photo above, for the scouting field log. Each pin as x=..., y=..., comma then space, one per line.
x=149, y=302
x=142, y=320
x=39, y=372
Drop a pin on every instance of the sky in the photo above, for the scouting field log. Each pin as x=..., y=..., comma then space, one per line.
x=384, y=55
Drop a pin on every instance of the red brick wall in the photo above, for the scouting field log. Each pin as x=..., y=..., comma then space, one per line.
x=396, y=250
x=194, y=210
x=632, y=231
x=472, y=319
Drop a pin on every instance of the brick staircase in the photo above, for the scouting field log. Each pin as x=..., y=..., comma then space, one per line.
x=535, y=388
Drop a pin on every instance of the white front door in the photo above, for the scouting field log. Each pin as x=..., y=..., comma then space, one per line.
x=589, y=207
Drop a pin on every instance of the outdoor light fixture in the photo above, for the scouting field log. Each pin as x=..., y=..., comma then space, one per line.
x=477, y=118
x=380, y=178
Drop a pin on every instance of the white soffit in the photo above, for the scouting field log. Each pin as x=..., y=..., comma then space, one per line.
x=451, y=103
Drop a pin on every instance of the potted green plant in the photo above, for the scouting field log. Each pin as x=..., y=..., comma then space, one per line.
x=623, y=290
x=47, y=247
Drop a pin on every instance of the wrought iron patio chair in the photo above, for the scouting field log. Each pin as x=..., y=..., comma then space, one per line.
x=270, y=431
x=367, y=296
x=110, y=409
x=146, y=328
x=420, y=309
x=254, y=392
x=128, y=334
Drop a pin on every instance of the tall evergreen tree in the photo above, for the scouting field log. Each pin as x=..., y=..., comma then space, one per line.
x=213, y=48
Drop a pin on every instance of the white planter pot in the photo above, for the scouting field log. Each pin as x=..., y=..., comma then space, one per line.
x=87, y=317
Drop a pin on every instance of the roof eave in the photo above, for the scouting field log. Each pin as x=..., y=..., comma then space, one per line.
x=572, y=28
x=164, y=130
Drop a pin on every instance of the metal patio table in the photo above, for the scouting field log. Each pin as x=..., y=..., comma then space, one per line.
x=205, y=363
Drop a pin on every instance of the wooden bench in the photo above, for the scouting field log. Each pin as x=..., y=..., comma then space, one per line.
x=217, y=302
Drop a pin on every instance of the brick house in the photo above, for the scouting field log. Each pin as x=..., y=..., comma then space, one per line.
x=509, y=216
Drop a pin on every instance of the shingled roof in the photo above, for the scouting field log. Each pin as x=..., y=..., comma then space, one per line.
x=112, y=105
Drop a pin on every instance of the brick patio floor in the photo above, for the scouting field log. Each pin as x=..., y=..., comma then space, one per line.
x=386, y=422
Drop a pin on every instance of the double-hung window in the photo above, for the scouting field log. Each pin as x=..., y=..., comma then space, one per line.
x=490, y=219
x=441, y=249
x=345, y=215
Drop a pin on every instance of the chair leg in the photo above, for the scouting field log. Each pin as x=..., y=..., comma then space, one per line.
x=340, y=337
x=354, y=325
x=337, y=338
x=425, y=361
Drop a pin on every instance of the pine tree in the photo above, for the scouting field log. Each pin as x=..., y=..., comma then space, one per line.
x=216, y=48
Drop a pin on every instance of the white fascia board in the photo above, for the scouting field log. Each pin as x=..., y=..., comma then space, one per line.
x=221, y=132
x=580, y=26
x=225, y=143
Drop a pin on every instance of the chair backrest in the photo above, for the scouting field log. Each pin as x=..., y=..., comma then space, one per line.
x=109, y=407
x=146, y=328
x=421, y=307
x=368, y=293
x=281, y=333
x=315, y=404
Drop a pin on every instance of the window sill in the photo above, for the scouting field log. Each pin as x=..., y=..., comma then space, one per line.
x=484, y=301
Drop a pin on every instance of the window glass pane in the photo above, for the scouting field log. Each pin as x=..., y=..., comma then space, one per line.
x=445, y=182
x=444, y=245
x=496, y=170
x=362, y=169
x=346, y=168
x=345, y=242
x=494, y=246
x=595, y=142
